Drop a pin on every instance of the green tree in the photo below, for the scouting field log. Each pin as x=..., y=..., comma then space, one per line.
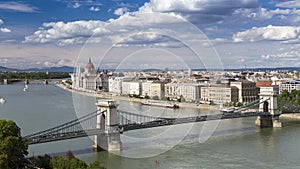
x=41, y=162
x=63, y=163
x=13, y=148
x=96, y=165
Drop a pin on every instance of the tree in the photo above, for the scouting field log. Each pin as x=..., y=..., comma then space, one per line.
x=69, y=155
x=63, y=163
x=41, y=162
x=96, y=165
x=13, y=148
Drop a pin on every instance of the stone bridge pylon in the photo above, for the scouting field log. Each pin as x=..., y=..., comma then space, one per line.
x=269, y=107
x=108, y=122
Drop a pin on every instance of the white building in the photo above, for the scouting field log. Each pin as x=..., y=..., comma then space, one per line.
x=269, y=89
x=146, y=88
x=130, y=88
x=289, y=86
x=189, y=91
x=219, y=94
x=157, y=89
x=88, y=80
x=115, y=84
x=171, y=90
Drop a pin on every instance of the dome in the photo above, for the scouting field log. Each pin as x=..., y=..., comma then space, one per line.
x=90, y=68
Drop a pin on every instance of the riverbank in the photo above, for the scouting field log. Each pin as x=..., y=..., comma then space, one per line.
x=107, y=95
x=295, y=116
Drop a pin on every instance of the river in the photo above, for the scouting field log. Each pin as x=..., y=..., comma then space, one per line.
x=233, y=143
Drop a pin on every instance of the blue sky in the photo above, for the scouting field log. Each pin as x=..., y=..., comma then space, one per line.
x=251, y=33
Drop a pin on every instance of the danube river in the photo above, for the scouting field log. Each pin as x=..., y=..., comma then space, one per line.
x=222, y=144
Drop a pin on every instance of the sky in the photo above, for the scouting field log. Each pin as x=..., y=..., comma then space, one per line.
x=150, y=33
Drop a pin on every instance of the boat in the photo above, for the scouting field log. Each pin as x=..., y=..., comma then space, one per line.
x=25, y=88
x=228, y=110
x=205, y=102
x=2, y=100
x=167, y=105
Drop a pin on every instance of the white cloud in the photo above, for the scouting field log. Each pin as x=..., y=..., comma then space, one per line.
x=1, y=21
x=202, y=11
x=289, y=4
x=76, y=5
x=96, y=9
x=16, y=6
x=121, y=11
x=5, y=30
x=273, y=33
x=67, y=32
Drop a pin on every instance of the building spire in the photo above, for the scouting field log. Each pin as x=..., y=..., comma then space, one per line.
x=90, y=61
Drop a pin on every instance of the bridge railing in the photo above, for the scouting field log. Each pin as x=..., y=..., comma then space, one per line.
x=288, y=107
x=73, y=126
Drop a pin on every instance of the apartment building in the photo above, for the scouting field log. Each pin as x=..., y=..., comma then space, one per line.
x=219, y=94
x=289, y=85
x=130, y=88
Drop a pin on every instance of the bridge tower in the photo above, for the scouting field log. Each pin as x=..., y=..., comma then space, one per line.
x=108, y=122
x=270, y=109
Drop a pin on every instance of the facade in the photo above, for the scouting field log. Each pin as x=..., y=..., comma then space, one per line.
x=157, y=89
x=219, y=94
x=189, y=91
x=269, y=89
x=289, y=86
x=130, y=88
x=146, y=88
x=88, y=80
x=115, y=85
x=171, y=90
x=247, y=90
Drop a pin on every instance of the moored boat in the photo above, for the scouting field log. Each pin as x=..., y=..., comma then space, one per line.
x=228, y=110
x=167, y=105
x=25, y=88
x=2, y=100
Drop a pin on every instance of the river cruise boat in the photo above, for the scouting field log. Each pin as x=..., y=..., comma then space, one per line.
x=157, y=104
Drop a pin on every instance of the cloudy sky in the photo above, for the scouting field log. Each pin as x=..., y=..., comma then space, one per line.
x=150, y=33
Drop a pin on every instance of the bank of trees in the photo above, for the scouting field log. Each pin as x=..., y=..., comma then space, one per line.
x=289, y=101
x=69, y=161
x=34, y=75
x=292, y=97
x=13, y=151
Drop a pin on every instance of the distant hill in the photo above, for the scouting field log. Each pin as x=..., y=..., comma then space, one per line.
x=290, y=69
x=50, y=69
x=71, y=69
x=5, y=69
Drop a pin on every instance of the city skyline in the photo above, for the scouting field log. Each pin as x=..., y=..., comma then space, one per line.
x=251, y=33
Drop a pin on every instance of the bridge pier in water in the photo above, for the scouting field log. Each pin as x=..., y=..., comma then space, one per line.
x=108, y=123
x=270, y=108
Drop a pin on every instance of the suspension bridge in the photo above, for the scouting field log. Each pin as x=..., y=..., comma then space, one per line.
x=107, y=123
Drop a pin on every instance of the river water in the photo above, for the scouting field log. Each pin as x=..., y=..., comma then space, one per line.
x=233, y=143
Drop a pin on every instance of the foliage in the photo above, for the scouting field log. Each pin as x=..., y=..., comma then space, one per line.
x=69, y=161
x=289, y=98
x=134, y=95
x=34, y=75
x=63, y=163
x=41, y=162
x=155, y=98
x=12, y=148
x=69, y=81
x=181, y=99
x=96, y=165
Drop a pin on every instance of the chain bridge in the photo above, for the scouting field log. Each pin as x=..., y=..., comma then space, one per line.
x=107, y=123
